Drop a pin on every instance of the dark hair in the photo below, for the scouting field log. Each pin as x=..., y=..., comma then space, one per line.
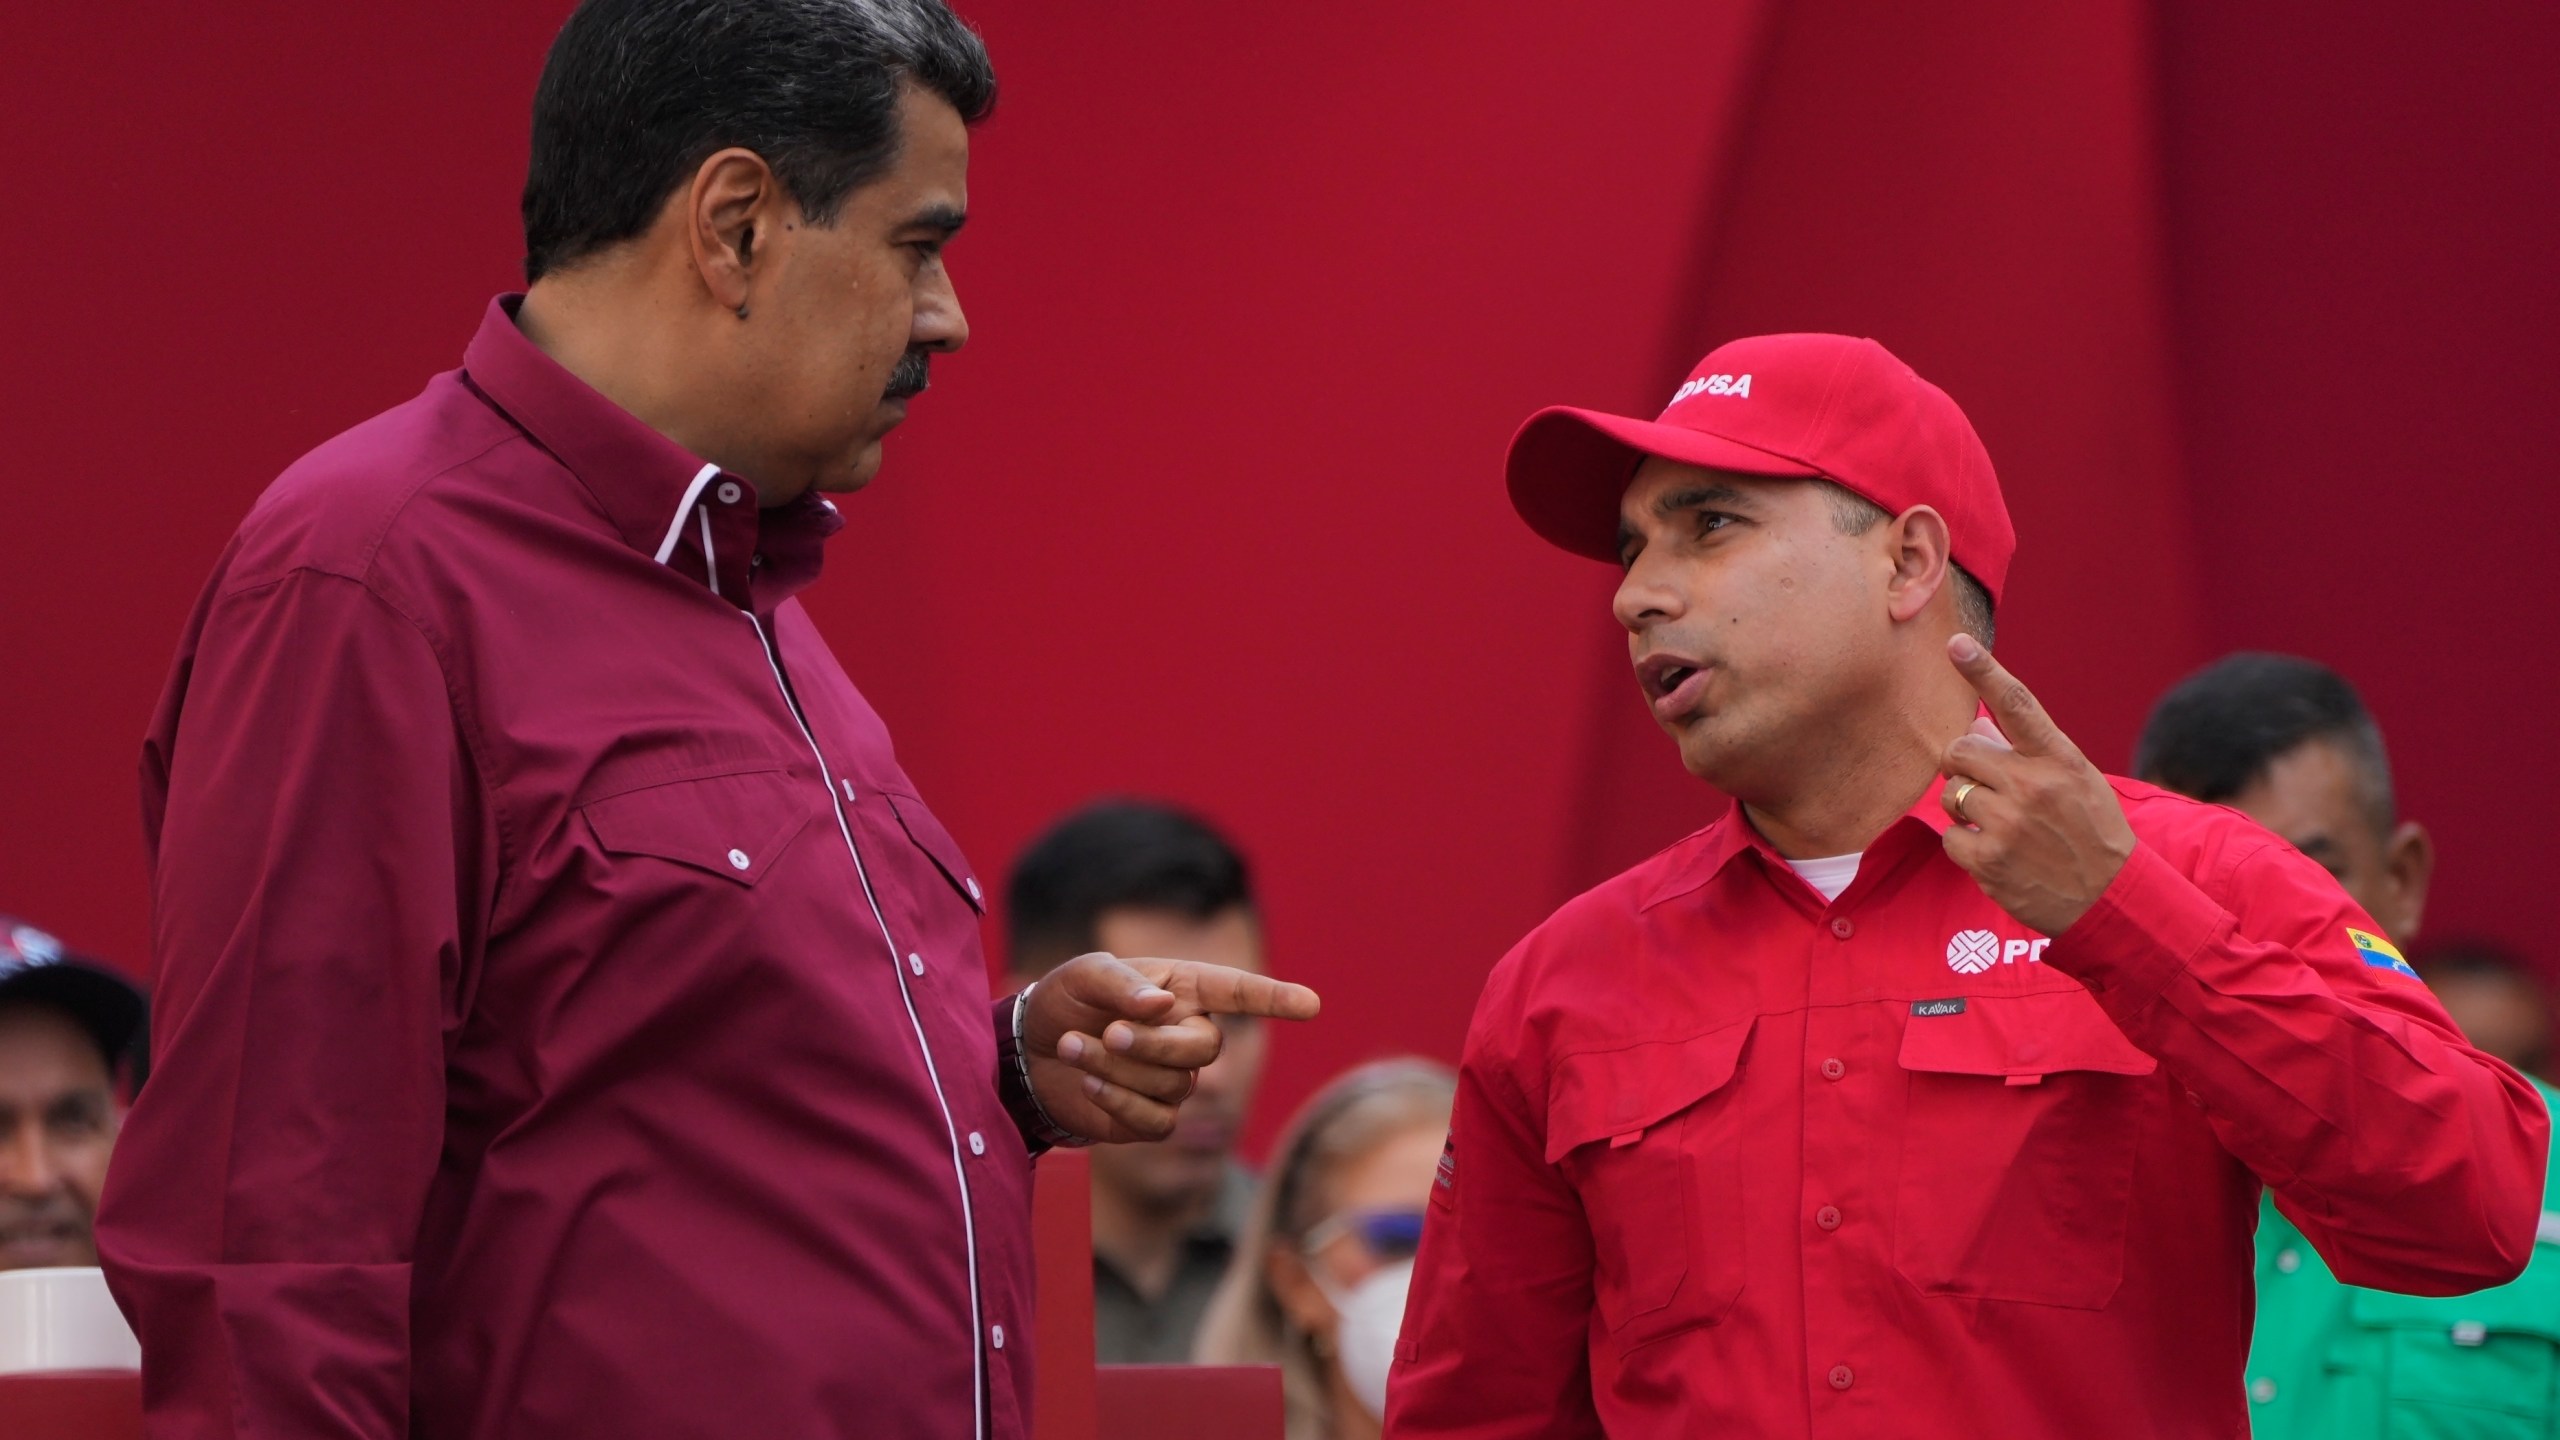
x=2214, y=734
x=1855, y=514
x=1114, y=853
x=638, y=93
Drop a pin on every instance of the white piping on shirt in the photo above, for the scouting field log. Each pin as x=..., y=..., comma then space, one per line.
x=692, y=493
x=710, y=560
x=951, y=1128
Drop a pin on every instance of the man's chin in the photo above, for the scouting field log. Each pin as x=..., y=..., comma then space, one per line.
x=1700, y=752
x=857, y=471
x=1176, y=1177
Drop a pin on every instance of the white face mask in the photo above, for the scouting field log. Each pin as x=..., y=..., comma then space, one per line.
x=1369, y=1315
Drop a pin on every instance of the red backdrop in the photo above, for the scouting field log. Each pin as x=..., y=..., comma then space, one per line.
x=2254, y=306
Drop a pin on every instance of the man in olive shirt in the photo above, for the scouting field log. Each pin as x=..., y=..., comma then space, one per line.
x=2290, y=744
x=1166, y=1216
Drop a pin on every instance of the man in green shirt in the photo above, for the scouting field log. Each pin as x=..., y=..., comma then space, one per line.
x=2289, y=743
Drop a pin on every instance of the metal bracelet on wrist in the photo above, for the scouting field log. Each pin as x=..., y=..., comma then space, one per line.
x=1029, y=1114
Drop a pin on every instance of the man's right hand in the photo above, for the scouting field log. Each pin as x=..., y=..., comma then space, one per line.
x=1115, y=1046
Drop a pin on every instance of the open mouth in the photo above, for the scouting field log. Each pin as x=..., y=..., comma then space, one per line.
x=1662, y=675
x=34, y=1243
x=1675, y=684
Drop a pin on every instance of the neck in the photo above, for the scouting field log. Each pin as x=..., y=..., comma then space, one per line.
x=1867, y=776
x=1143, y=1242
x=604, y=324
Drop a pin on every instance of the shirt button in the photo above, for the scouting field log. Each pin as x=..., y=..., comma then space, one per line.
x=1842, y=1377
x=977, y=1143
x=1841, y=927
x=915, y=964
x=2288, y=1261
x=1833, y=1069
x=2262, y=1390
x=848, y=789
x=738, y=860
x=1828, y=1217
x=729, y=492
x=995, y=1337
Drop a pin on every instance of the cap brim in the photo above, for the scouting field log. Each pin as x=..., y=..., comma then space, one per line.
x=1568, y=469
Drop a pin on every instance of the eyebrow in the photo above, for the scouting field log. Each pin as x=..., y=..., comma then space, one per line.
x=1687, y=497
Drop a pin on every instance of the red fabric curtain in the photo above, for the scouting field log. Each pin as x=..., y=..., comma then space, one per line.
x=2254, y=306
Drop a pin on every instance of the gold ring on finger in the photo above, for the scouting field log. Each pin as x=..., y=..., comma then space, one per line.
x=1964, y=792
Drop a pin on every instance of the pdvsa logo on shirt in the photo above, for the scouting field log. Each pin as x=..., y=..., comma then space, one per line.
x=1970, y=952
x=1737, y=386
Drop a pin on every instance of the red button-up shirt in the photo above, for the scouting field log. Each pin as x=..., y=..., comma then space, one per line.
x=570, y=1020
x=1731, y=1160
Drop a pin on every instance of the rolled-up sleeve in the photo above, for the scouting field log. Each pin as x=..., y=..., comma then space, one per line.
x=322, y=862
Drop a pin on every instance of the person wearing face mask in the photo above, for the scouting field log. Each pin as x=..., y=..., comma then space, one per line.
x=1318, y=1285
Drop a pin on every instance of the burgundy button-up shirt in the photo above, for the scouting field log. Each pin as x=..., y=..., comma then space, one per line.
x=571, y=1022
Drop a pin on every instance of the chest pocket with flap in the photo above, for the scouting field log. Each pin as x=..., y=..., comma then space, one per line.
x=2022, y=1120
x=735, y=824
x=1650, y=1137
x=929, y=836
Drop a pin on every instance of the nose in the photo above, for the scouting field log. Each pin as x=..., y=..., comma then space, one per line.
x=940, y=324
x=26, y=1163
x=1646, y=598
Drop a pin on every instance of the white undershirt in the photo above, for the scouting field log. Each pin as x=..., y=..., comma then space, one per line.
x=1830, y=875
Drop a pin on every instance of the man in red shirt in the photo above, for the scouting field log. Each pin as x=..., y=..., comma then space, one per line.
x=1930, y=1091
x=573, y=1022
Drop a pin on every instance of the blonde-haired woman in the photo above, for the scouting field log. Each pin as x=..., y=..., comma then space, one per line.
x=1317, y=1286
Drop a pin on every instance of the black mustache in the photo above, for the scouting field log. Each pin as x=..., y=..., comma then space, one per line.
x=910, y=378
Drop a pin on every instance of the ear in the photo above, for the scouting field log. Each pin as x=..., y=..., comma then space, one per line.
x=1917, y=542
x=2409, y=858
x=731, y=210
x=1295, y=1289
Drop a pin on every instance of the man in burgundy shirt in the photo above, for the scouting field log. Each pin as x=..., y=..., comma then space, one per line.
x=1930, y=1092
x=574, y=1022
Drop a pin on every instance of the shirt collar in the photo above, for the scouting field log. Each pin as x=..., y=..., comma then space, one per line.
x=655, y=492
x=1733, y=833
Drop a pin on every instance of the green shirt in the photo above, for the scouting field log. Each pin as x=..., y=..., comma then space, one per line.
x=2335, y=1362
x=1132, y=1329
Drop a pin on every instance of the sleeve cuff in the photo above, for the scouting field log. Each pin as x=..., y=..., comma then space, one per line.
x=1009, y=1089
x=2141, y=935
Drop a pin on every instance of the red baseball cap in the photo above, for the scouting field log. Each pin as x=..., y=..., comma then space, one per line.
x=1826, y=406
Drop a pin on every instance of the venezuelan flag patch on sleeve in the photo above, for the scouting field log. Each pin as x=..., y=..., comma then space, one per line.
x=2373, y=950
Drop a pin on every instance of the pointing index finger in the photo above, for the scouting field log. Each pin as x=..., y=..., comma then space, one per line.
x=1221, y=990
x=2020, y=716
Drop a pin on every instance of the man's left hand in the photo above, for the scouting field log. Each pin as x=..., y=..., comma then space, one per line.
x=1115, y=1046
x=2041, y=829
